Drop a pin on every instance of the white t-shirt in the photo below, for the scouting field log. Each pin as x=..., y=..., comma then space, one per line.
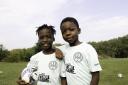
x=46, y=69
x=80, y=61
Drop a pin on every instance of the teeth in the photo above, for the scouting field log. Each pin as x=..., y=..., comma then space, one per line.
x=45, y=44
x=69, y=39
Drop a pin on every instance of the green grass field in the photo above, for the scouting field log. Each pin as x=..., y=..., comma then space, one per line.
x=111, y=67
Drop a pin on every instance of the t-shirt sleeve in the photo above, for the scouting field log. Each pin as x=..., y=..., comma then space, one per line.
x=26, y=70
x=63, y=69
x=31, y=66
x=25, y=74
x=93, y=61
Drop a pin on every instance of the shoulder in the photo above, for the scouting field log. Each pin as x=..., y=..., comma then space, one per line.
x=88, y=46
x=35, y=56
x=63, y=47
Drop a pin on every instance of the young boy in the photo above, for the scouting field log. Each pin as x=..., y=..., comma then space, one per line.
x=81, y=59
x=44, y=67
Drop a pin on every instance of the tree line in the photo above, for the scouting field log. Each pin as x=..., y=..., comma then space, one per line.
x=116, y=48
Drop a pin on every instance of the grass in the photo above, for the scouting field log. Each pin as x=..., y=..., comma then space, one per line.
x=111, y=67
x=11, y=72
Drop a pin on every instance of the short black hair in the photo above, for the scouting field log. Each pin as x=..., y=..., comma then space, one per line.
x=45, y=26
x=71, y=19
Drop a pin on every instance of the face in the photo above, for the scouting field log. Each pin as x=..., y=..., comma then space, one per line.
x=70, y=32
x=46, y=39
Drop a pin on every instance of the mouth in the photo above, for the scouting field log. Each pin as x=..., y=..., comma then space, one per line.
x=69, y=39
x=45, y=44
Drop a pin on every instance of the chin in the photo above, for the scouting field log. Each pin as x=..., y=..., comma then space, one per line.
x=46, y=48
x=70, y=41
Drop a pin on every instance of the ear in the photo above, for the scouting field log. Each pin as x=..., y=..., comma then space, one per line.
x=79, y=30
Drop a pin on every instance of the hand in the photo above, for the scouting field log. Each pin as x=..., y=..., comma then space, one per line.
x=59, y=54
x=22, y=82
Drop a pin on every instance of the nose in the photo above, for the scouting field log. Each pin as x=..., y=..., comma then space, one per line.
x=67, y=33
x=43, y=40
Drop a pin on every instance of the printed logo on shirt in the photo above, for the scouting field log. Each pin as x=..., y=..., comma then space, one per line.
x=70, y=68
x=44, y=78
x=29, y=70
x=34, y=69
x=52, y=65
x=96, y=64
x=78, y=57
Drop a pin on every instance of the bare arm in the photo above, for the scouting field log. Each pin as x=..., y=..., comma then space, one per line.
x=95, y=78
x=63, y=81
x=59, y=53
x=21, y=82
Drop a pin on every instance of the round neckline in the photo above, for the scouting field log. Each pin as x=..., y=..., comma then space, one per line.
x=48, y=54
x=75, y=45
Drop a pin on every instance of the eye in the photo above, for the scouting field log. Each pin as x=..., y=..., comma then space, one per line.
x=63, y=31
x=41, y=37
x=49, y=36
x=72, y=29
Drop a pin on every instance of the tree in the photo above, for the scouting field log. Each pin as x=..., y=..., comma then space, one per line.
x=3, y=52
x=117, y=48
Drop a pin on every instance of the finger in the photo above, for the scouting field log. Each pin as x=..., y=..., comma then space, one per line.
x=21, y=82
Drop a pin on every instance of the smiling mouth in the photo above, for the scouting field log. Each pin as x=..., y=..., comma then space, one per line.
x=45, y=45
x=69, y=39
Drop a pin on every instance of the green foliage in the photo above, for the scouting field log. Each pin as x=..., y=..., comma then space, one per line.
x=3, y=53
x=115, y=48
x=17, y=55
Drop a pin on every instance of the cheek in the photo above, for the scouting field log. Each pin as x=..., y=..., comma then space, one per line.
x=75, y=35
x=64, y=36
x=52, y=40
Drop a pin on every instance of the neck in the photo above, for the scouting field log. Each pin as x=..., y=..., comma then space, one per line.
x=49, y=51
x=75, y=43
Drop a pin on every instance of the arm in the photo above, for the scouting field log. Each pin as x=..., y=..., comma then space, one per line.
x=95, y=78
x=94, y=65
x=22, y=82
x=24, y=78
x=63, y=73
x=59, y=53
x=63, y=81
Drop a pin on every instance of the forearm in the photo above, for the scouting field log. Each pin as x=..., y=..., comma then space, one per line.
x=95, y=78
x=63, y=81
x=59, y=54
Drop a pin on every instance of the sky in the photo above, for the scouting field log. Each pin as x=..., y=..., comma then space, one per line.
x=99, y=20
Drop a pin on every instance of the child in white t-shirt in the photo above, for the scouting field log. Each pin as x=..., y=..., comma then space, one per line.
x=81, y=59
x=44, y=68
